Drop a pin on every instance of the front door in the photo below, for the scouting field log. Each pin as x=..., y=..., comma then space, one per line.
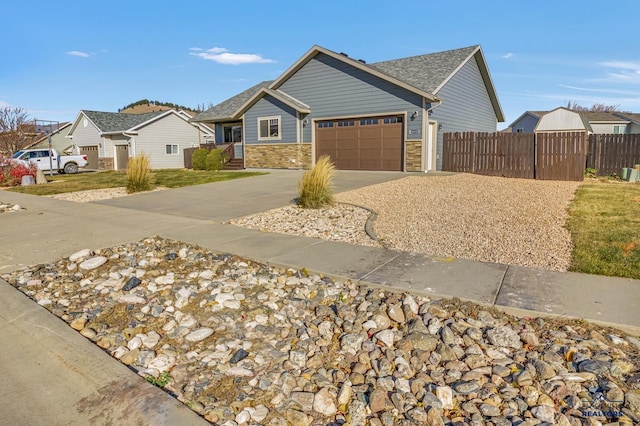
x=122, y=157
x=233, y=134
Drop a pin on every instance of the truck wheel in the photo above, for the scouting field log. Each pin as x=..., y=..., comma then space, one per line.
x=71, y=168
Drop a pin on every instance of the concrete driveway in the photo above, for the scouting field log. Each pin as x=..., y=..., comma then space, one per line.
x=220, y=201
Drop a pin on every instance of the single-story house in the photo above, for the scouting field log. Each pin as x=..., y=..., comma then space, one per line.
x=59, y=142
x=109, y=139
x=387, y=115
x=598, y=122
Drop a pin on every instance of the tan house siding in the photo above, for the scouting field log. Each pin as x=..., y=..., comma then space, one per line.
x=413, y=161
x=278, y=156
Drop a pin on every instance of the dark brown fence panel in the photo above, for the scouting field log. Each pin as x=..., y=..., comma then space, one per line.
x=518, y=153
x=458, y=152
x=608, y=154
x=487, y=157
x=491, y=154
x=561, y=156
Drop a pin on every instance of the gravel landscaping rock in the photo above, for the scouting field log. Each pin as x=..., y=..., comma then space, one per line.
x=8, y=207
x=491, y=219
x=311, y=350
x=96, y=194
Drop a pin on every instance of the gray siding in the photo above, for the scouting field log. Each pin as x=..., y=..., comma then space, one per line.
x=527, y=123
x=335, y=89
x=634, y=128
x=169, y=130
x=465, y=107
x=268, y=106
x=87, y=136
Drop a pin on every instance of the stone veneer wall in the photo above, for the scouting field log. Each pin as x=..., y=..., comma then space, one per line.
x=413, y=150
x=278, y=156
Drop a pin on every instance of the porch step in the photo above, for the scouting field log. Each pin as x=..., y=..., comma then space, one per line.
x=234, y=164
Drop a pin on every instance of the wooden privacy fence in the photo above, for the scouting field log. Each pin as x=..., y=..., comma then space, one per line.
x=608, y=154
x=551, y=156
x=188, y=153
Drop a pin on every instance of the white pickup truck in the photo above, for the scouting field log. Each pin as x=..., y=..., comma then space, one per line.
x=62, y=163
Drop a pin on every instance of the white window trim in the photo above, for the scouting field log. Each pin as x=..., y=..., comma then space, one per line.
x=172, y=145
x=271, y=138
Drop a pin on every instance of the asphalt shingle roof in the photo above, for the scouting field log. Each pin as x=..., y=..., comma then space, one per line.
x=227, y=108
x=109, y=122
x=631, y=116
x=425, y=72
x=602, y=116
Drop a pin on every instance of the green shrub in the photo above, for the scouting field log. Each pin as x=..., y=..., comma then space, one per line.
x=315, y=189
x=199, y=159
x=214, y=160
x=139, y=175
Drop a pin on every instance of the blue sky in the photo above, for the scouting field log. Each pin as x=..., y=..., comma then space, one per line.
x=60, y=57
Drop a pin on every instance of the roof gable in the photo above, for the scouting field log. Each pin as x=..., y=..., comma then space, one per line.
x=563, y=119
x=315, y=50
x=423, y=75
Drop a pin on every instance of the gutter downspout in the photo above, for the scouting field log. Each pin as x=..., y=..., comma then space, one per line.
x=132, y=141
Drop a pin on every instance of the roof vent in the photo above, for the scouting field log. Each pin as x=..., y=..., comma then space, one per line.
x=362, y=60
x=344, y=54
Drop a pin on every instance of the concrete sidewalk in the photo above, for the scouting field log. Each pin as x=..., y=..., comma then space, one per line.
x=51, y=372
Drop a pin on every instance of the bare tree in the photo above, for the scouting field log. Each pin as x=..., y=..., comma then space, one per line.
x=574, y=106
x=16, y=129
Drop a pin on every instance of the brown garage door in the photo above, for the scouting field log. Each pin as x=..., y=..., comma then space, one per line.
x=92, y=156
x=373, y=143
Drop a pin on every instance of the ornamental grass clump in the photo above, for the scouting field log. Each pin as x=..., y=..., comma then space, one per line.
x=315, y=189
x=139, y=175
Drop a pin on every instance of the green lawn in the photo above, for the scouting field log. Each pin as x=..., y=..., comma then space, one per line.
x=174, y=178
x=605, y=226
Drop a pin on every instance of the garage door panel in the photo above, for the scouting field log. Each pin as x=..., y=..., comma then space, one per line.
x=92, y=156
x=367, y=145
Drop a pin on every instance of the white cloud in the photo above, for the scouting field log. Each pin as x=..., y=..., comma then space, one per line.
x=508, y=55
x=591, y=89
x=78, y=54
x=223, y=56
x=623, y=72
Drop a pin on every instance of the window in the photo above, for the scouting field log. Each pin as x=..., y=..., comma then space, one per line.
x=269, y=128
x=392, y=120
x=368, y=121
x=325, y=124
x=519, y=130
x=618, y=130
x=346, y=123
x=171, y=149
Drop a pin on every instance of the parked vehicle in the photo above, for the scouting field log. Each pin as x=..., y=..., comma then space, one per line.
x=62, y=163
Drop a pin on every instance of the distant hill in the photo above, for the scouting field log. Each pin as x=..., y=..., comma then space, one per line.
x=143, y=106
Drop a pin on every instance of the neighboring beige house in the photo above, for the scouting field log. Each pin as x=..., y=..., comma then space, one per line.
x=59, y=142
x=109, y=139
